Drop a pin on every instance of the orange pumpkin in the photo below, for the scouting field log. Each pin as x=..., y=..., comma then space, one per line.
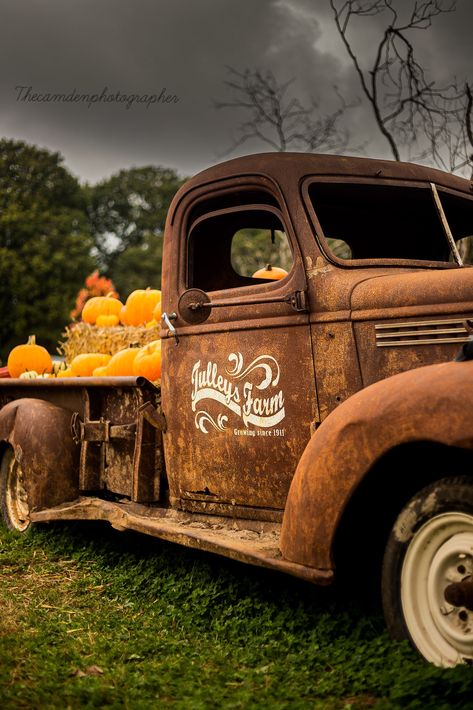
x=140, y=305
x=148, y=361
x=65, y=373
x=58, y=366
x=157, y=311
x=270, y=272
x=84, y=364
x=100, y=371
x=104, y=321
x=123, y=316
x=121, y=364
x=29, y=357
x=101, y=306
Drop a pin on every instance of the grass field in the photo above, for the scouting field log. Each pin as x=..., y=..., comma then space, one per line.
x=94, y=618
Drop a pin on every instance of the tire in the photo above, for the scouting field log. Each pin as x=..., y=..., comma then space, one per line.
x=429, y=551
x=14, y=507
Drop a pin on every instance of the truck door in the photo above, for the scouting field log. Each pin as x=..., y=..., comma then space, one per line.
x=238, y=379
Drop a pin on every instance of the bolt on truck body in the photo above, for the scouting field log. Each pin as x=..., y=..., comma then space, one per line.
x=299, y=419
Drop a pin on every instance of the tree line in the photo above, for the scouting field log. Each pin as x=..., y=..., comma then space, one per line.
x=54, y=232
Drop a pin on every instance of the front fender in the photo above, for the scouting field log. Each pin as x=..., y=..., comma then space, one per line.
x=40, y=434
x=433, y=403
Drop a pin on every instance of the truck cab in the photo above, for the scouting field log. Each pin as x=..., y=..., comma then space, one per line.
x=374, y=288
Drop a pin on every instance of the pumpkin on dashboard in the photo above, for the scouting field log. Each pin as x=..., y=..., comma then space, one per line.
x=270, y=272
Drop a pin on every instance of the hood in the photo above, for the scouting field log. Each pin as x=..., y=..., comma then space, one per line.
x=448, y=290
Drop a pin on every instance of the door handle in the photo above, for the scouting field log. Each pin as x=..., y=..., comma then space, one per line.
x=167, y=322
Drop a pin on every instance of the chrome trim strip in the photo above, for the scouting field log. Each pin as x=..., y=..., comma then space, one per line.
x=407, y=333
x=415, y=324
x=430, y=341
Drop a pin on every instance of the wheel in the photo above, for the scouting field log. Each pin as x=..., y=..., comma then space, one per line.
x=14, y=506
x=427, y=576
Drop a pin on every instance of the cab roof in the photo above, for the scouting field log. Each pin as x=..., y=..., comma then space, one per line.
x=298, y=165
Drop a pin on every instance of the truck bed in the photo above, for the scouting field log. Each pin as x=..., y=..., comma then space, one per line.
x=116, y=423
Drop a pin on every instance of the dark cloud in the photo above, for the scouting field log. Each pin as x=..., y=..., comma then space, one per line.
x=144, y=46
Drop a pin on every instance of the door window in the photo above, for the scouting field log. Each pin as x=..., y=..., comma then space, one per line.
x=227, y=247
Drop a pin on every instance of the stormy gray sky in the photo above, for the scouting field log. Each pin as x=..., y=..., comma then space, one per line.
x=142, y=47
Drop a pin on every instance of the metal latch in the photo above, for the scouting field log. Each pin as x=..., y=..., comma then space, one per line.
x=100, y=431
x=153, y=416
x=298, y=300
x=95, y=430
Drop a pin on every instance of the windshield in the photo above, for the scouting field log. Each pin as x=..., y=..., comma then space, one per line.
x=391, y=222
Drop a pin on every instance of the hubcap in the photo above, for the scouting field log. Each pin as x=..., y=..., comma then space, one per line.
x=435, y=582
x=16, y=497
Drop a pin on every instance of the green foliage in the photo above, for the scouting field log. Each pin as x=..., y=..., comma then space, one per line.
x=31, y=177
x=127, y=213
x=139, y=266
x=253, y=249
x=172, y=627
x=45, y=244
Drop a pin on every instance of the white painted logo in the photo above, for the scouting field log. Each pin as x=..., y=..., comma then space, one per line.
x=252, y=398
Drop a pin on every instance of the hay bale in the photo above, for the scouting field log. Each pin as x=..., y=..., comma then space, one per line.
x=84, y=338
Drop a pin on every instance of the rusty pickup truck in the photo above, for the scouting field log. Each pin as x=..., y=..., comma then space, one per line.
x=304, y=424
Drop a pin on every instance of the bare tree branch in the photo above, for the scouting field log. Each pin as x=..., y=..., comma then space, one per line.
x=279, y=120
x=401, y=97
x=448, y=129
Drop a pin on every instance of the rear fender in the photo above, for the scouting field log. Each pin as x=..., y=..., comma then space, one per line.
x=433, y=403
x=40, y=435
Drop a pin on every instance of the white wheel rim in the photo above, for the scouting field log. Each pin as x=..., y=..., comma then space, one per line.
x=16, y=498
x=439, y=554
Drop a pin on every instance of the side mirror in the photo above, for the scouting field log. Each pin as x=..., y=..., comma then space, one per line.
x=194, y=306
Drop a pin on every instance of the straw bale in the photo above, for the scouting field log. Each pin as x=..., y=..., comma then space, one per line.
x=85, y=338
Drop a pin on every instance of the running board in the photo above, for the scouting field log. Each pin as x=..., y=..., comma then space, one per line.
x=256, y=544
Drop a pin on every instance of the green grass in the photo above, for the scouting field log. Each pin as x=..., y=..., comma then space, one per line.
x=170, y=627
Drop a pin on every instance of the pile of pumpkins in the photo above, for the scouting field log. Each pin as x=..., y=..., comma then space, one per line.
x=143, y=308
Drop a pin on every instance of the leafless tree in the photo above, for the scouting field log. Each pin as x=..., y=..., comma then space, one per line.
x=451, y=139
x=407, y=106
x=279, y=119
